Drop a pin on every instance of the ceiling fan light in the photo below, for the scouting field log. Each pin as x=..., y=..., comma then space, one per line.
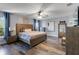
x=39, y=17
x=41, y=14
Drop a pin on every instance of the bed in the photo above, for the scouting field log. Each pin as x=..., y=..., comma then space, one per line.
x=26, y=34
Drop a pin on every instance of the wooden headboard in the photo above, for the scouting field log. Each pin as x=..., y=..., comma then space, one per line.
x=21, y=27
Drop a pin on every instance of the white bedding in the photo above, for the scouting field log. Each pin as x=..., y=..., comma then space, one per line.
x=26, y=36
x=35, y=34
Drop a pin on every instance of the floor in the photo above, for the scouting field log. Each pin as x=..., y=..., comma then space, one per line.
x=49, y=47
x=2, y=41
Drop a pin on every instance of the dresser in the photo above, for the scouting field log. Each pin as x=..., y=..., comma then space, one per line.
x=72, y=41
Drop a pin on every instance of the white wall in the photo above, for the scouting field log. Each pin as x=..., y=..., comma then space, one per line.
x=27, y=21
x=1, y=14
x=52, y=33
x=14, y=19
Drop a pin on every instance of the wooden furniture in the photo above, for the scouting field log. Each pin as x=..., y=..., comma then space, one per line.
x=72, y=41
x=62, y=32
x=22, y=27
x=12, y=39
x=33, y=42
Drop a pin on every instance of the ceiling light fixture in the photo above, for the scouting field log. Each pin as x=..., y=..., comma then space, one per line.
x=40, y=14
x=39, y=17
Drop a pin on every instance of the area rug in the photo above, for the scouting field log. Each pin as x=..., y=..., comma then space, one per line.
x=21, y=47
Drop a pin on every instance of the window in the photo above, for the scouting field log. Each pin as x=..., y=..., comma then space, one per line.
x=2, y=26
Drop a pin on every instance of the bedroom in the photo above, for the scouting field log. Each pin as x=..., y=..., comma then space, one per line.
x=44, y=18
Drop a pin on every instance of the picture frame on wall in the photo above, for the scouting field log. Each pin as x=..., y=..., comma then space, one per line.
x=51, y=26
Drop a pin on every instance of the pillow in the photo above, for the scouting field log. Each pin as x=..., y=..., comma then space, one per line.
x=27, y=30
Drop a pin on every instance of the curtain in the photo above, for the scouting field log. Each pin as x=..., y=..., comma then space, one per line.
x=7, y=24
x=78, y=16
x=39, y=24
x=34, y=24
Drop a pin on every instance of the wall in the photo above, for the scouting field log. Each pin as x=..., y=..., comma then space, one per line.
x=14, y=19
x=1, y=14
x=27, y=20
x=52, y=33
x=18, y=19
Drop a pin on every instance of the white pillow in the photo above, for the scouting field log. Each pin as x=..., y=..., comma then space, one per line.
x=27, y=30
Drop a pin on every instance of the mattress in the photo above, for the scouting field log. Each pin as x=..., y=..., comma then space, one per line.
x=32, y=34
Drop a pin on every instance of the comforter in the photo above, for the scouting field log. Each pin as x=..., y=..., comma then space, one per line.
x=24, y=36
x=27, y=36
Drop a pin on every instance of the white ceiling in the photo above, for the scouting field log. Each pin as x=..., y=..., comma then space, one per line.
x=53, y=9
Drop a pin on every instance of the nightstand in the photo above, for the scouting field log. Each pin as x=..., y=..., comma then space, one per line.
x=12, y=39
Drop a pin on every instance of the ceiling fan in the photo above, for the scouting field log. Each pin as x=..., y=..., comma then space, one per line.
x=41, y=12
x=69, y=4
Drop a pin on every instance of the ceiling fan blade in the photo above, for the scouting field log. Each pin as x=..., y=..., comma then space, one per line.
x=44, y=6
x=69, y=4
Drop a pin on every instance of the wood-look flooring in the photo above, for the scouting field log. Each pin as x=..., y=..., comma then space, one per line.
x=49, y=47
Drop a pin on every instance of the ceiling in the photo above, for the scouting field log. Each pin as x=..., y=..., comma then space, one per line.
x=53, y=9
